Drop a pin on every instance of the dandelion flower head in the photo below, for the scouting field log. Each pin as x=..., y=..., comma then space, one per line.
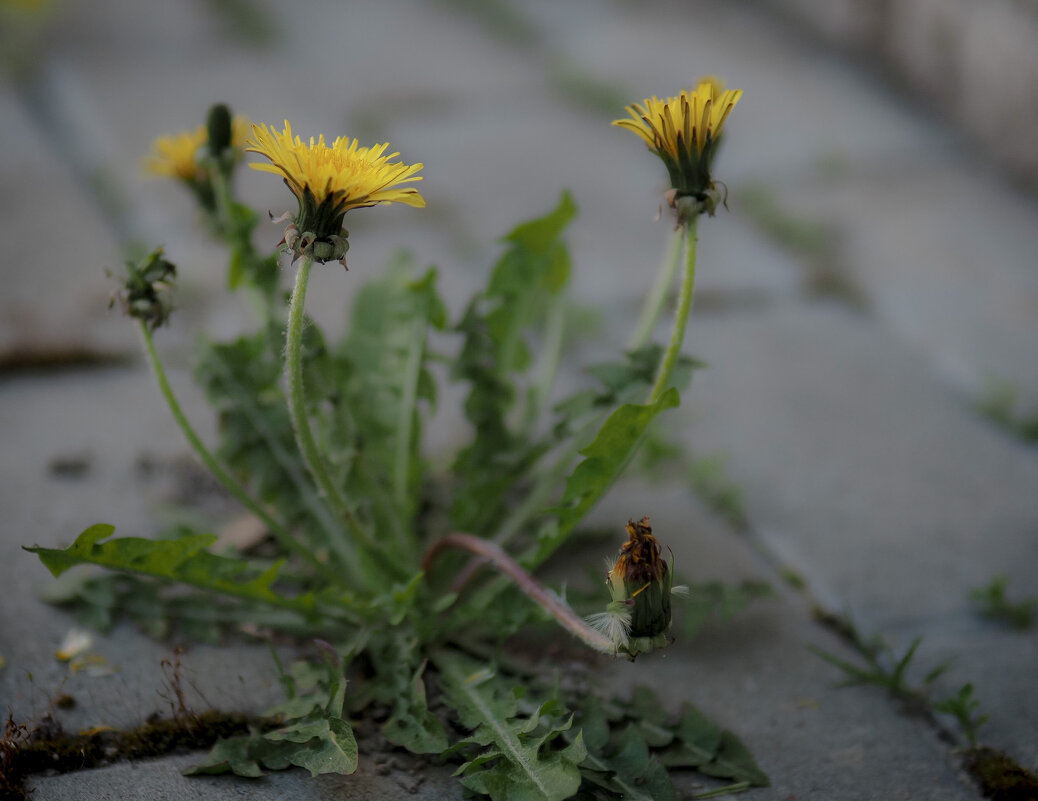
x=684, y=131
x=177, y=156
x=331, y=180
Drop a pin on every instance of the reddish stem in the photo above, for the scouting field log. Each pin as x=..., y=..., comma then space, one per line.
x=494, y=554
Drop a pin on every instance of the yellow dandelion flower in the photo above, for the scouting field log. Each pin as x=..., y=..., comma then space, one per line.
x=241, y=131
x=187, y=157
x=328, y=181
x=684, y=131
x=177, y=156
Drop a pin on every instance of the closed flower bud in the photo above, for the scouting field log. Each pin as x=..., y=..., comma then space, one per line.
x=640, y=585
x=219, y=129
x=144, y=294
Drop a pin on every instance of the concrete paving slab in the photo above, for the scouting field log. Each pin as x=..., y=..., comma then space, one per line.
x=57, y=246
x=757, y=675
x=945, y=255
x=885, y=492
x=815, y=741
x=106, y=421
x=859, y=469
x=973, y=64
x=161, y=780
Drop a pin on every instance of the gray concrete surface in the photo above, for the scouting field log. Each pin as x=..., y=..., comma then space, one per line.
x=973, y=64
x=851, y=432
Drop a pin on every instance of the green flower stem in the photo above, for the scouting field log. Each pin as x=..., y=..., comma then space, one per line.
x=550, y=602
x=297, y=406
x=657, y=294
x=677, y=336
x=229, y=483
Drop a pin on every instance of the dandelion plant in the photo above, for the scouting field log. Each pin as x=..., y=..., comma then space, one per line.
x=412, y=579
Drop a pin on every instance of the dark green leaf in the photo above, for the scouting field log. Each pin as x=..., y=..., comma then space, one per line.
x=184, y=560
x=521, y=765
x=604, y=460
x=734, y=761
x=412, y=725
x=326, y=745
x=632, y=771
x=500, y=328
x=698, y=740
x=234, y=755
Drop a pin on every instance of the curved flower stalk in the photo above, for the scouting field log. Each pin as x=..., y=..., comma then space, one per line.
x=550, y=602
x=327, y=182
x=637, y=618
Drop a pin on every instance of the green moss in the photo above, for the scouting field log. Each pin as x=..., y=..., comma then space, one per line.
x=47, y=749
x=999, y=776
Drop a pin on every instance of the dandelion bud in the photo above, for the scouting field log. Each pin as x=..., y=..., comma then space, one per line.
x=220, y=130
x=642, y=581
x=640, y=586
x=144, y=294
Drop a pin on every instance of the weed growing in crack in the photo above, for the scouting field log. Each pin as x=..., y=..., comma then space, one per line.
x=997, y=774
x=398, y=573
x=994, y=604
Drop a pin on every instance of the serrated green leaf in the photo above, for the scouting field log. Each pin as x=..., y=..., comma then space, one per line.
x=633, y=771
x=233, y=755
x=594, y=724
x=604, y=460
x=501, y=328
x=300, y=732
x=734, y=761
x=131, y=553
x=386, y=350
x=520, y=766
x=183, y=560
x=242, y=381
x=333, y=750
x=412, y=725
x=698, y=740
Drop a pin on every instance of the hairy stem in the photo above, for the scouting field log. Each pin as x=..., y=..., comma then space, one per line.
x=297, y=405
x=227, y=481
x=677, y=336
x=494, y=554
